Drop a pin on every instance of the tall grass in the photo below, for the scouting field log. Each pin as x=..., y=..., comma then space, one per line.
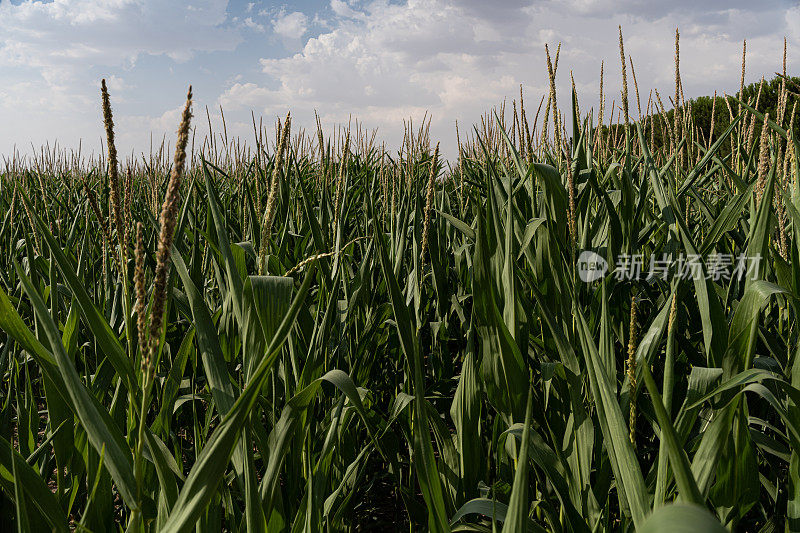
x=316, y=334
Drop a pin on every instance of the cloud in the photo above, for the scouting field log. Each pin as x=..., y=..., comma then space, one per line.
x=291, y=25
x=52, y=55
x=253, y=25
x=378, y=60
x=343, y=10
x=168, y=121
x=62, y=38
x=457, y=58
x=645, y=10
x=100, y=30
x=243, y=96
x=394, y=55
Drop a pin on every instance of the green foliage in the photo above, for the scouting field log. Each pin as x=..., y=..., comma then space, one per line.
x=355, y=383
x=699, y=112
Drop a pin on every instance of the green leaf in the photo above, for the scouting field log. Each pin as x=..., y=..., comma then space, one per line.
x=681, y=518
x=202, y=481
x=16, y=476
x=101, y=430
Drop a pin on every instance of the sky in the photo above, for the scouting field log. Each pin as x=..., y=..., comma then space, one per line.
x=378, y=61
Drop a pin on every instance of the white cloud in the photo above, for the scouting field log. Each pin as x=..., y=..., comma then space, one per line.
x=381, y=61
x=243, y=96
x=406, y=55
x=343, y=10
x=51, y=52
x=168, y=121
x=291, y=25
x=64, y=37
x=455, y=59
x=101, y=29
x=250, y=23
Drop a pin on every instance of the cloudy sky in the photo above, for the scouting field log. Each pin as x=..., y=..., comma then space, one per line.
x=381, y=61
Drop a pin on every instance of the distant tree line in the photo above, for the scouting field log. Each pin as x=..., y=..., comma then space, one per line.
x=701, y=111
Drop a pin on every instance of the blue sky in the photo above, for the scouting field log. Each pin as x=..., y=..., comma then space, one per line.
x=378, y=61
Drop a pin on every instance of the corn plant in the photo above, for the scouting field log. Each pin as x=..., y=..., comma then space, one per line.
x=317, y=334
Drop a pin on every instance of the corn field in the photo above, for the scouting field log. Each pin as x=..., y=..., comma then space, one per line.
x=312, y=332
